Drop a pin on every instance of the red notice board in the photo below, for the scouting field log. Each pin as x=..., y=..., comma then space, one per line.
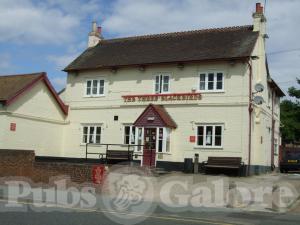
x=13, y=126
x=192, y=139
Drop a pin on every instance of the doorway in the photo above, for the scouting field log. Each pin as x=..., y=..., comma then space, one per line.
x=149, y=154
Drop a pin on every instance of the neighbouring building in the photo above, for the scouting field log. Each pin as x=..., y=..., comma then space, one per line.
x=32, y=116
x=178, y=94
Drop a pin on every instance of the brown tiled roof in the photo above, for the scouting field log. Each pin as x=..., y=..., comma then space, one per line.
x=13, y=86
x=198, y=45
x=165, y=116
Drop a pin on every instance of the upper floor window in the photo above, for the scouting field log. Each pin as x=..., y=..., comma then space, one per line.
x=212, y=81
x=162, y=83
x=95, y=87
x=209, y=135
x=91, y=134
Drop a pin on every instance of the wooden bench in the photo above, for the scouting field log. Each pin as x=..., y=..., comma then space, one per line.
x=118, y=155
x=224, y=163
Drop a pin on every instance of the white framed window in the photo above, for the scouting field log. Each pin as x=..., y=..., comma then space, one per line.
x=129, y=135
x=209, y=135
x=211, y=81
x=95, y=87
x=91, y=134
x=162, y=84
x=163, y=140
x=139, y=138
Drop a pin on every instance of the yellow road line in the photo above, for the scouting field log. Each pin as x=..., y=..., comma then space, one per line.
x=153, y=216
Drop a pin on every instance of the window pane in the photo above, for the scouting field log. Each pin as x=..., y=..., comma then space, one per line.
x=157, y=85
x=218, y=140
x=208, y=140
x=211, y=81
x=218, y=130
x=202, y=81
x=166, y=84
x=218, y=135
x=91, y=138
x=126, y=134
x=200, y=140
x=98, y=138
x=95, y=87
x=98, y=131
x=200, y=132
x=160, y=139
x=88, y=87
x=132, y=135
x=167, y=140
x=85, y=130
x=220, y=81
x=84, y=139
x=101, y=89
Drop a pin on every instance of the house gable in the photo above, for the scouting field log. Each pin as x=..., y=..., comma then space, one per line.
x=155, y=116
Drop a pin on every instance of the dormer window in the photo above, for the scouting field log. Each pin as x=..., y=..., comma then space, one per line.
x=94, y=88
x=162, y=83
x=211, y=81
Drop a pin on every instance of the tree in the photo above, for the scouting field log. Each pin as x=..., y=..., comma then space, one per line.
x=290, y=116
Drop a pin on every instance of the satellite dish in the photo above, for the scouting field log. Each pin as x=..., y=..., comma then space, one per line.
x=259, y=87
x=258, y=100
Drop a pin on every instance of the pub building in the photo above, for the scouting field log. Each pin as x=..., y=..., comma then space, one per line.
x=177, y=95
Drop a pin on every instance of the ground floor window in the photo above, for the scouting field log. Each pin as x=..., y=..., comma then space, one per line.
x=163, y=139
x=209, y=135
x=91, y=134
x=135, y=136
x=129, y=134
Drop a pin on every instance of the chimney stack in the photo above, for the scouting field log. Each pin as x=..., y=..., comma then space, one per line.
x=259, y=8
x=95, y=35
x=259, y=23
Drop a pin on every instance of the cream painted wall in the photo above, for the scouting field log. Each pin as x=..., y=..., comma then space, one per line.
x=228, y=108
x=38, y=102
x=39, y=123
x=128, y=81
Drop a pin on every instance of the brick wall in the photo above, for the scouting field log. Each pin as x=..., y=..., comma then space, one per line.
x=22, y=163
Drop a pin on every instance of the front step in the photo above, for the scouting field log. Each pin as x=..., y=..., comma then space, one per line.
x=159, y=171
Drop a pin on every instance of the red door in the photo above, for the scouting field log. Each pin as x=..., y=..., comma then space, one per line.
x=149, y=147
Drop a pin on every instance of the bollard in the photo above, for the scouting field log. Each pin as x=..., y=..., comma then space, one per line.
x=196, y=163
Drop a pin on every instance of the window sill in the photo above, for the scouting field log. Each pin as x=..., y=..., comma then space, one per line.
x=210, y=91
x=93, y=96
x=208, y=148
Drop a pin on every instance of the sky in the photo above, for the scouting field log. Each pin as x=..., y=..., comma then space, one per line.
x=46, y=35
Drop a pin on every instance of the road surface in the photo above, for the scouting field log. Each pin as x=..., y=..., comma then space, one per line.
x=76, y=216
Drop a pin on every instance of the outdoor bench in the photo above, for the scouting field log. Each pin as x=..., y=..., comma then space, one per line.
x=224, y=163
x=118, y=155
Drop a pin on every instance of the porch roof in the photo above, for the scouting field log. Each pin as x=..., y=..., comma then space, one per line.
x=160, y=117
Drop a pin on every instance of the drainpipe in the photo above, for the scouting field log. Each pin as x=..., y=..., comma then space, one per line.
x=250, y=109
x=273, y=133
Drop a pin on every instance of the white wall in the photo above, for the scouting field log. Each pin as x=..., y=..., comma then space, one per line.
x=229, y=107
x=39, y=123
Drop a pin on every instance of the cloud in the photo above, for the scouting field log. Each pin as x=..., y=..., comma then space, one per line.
x=61, y=61
x=130, y=17
x=45, y=22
